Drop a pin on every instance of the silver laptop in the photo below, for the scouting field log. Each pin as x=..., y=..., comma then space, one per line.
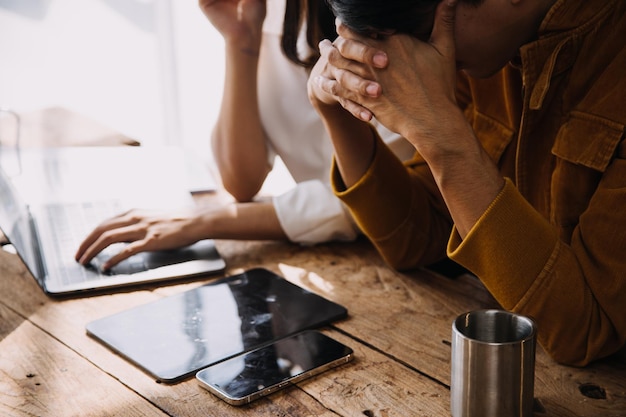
x=46, y=223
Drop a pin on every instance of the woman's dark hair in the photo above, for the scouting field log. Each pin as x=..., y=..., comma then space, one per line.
x=320, y=24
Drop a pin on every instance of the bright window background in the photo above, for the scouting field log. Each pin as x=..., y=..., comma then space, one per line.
x=120, y=62
x=151, y=69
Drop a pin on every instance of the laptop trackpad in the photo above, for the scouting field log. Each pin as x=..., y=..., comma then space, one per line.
x=204, y=249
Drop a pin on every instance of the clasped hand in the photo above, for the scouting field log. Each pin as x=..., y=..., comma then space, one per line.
x=408, y=85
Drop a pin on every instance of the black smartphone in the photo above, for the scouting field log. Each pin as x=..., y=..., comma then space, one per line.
x=251, y=375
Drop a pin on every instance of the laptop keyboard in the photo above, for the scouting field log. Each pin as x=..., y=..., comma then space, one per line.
x=70, y=224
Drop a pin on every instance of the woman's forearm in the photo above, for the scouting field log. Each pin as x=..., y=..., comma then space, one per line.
x=238, y=140
x=248, y=221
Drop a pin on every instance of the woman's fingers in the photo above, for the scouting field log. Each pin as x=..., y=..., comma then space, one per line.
x=127, y=251
x=121, y=220
x=114, y=230
x=109, y=237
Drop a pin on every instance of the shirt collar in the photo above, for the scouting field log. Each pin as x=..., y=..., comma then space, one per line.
x=557, y=45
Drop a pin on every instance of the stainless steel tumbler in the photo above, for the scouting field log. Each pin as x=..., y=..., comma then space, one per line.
x=492, y=365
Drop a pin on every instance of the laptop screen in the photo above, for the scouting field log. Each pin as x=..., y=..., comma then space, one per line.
x=16, y=224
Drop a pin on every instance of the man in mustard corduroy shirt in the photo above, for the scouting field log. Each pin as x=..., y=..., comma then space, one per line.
x=517, y=111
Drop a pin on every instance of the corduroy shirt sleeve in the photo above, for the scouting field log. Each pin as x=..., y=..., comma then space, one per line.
x=399, y=208
x=519, y=257
x=507, y=248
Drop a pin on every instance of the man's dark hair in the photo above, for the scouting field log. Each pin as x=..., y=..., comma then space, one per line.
x=370, y=17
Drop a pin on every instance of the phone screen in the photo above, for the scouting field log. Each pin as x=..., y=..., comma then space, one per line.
x=248, y=376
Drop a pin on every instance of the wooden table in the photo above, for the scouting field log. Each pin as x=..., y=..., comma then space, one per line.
x=398, y=324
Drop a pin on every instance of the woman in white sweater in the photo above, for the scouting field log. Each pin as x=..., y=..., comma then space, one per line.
x=265, y=112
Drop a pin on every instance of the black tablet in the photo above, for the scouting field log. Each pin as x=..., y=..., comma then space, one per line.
x=176, y=336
